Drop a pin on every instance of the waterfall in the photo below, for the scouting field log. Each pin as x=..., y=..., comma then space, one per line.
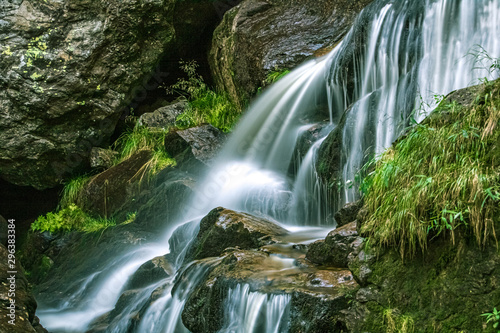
x=396, y=59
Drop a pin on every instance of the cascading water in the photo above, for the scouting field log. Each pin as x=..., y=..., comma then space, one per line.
x=389, y=67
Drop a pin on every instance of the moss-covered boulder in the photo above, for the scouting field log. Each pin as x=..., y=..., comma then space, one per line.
x=67, y=71
x=223, y=228
x=257, y=37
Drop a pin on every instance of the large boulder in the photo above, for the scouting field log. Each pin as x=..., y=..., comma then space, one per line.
x=259, y=36
x=223, y=228
x=67, y=70
x=18, y=305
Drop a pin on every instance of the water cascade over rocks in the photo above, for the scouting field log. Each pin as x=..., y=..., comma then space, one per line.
x=293, y=159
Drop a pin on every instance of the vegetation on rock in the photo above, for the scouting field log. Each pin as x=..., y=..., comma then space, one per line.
x=442, y=176
x=205, y=104
x=70, y=218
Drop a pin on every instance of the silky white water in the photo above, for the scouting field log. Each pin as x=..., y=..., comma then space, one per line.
x=399, y=56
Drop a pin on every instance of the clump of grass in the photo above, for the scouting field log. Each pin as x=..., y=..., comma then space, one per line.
x=139, y=138
x=72, y=190
x=204, y=104
x=70, y=218
x=444, y=175
x=397, y=323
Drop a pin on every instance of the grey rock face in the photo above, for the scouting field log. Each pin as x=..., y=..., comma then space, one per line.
x=257, y=37
x=163, y=117
x=67, y=69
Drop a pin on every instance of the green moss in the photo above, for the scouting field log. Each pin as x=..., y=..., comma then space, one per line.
x=439, y=179
x=68, y=219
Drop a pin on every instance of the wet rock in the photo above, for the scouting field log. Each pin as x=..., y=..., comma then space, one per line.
x=223, y=228
x=334, y=250
x=323, y=292
x=106, y=192
x=68, y=69
x=151, y=271
x=164, y=117
x=202, y=142
x=348, y=213
x=257, y=37
x=102, y=159
x=360, y=266
x=23, y=310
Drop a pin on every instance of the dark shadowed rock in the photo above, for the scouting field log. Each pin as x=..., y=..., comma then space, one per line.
x=24, y=307
x=151, y=271
x=163, y=117
x=202, y=142
x=257, y=37
x=3, y=231
x=223, y=228
x=334, y=250
x=108, y=191
x=348, y=213
x=68, y=69
x=102, y=159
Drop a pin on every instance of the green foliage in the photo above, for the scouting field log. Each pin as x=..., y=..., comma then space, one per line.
x=483, y=60
x=130, y=142
x=440, y=177
x=276, y=75
x=397, y=323
x=72, y=190
x=70, y=218
x=494, y=318
x=205, y=105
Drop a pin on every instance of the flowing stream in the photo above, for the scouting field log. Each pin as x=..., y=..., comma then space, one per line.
x=398, y=57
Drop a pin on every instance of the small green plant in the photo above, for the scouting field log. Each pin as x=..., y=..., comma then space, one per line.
x=482, y=59
x=205, y=105
x=494, y=318
x=70, y=218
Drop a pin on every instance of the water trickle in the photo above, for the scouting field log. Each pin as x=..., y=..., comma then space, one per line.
x=254, y=312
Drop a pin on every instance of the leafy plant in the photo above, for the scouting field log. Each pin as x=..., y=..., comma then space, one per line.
x=204, y=104
x=439, y=178
x=494, y=318
x=70, y=218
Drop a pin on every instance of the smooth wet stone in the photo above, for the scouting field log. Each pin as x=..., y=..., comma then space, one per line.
x=223, y=228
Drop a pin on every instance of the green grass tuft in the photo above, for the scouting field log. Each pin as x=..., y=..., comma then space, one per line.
x=130, y=142
x=204, y=104
x=72, y=190
x=443, y=176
